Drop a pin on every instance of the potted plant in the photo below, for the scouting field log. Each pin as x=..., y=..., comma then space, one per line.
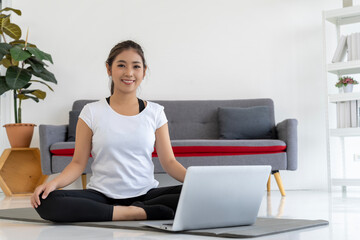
x=346, y=84
x=22, y=61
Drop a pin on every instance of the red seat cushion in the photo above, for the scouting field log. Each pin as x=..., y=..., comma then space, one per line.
x=192, y=151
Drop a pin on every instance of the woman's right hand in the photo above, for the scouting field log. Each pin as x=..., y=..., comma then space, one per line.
x=73, y=170
x=45, y=188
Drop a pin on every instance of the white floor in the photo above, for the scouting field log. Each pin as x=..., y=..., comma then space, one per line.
x=342, y=211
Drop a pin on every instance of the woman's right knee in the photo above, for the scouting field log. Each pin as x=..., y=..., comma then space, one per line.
x=48, y=206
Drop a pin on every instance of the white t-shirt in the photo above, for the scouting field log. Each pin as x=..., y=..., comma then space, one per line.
x=122, y=147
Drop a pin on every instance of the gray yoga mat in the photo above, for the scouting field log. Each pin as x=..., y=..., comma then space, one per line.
x=262, y=227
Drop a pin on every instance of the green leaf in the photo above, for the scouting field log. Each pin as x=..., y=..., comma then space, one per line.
x=18, y=54
x=6, y=62
x=37, y=65
x=17, y=78
x=13, y=61
x=4, y=20
x=38, y=61
x=21, y=96
x=26, y=86
x=42, y=83
x=17, y=11
x=15, y=42
x=3, y=86
x=24, y=97
x=12, y=30
x=39, y=94
x=45, y=75
x=40, y=54
x=3, y=15
x=25, y=91
x=21, y=45
x=34, y=98
x=4, y=48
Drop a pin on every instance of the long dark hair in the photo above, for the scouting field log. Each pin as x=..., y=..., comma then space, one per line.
x=119, y=48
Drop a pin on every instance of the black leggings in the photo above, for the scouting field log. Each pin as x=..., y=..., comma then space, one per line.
x=89, y=205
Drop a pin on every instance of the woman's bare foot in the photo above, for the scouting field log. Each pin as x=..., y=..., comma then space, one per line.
x=128, y=213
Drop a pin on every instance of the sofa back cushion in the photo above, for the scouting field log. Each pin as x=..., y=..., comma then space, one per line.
x=79, y=104
x=73, y=118
x=246, y=123
x=197, y=119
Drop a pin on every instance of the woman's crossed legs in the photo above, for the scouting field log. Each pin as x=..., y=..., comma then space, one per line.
x=91, y=205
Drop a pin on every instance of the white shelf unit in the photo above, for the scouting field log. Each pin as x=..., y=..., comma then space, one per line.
x=343, y=16
x=338, y=18
x=333, y=98
x=343, y=68
x=345, y=132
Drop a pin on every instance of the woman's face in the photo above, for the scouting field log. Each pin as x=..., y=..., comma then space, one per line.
x=127, y=71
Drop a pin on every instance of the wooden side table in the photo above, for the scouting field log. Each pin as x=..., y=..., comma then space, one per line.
x=20, y=171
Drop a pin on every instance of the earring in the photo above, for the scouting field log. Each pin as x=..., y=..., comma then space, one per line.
x=110, y=78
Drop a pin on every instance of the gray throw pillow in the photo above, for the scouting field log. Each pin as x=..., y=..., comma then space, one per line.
x=246, y=123
x=73, y=118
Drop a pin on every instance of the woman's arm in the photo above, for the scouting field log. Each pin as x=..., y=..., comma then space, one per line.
x=80, y=158
x=73, y=170
x=166, y=154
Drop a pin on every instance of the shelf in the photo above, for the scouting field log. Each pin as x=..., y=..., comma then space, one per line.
x=337, y=18
x=345, y=132
x=342, y=68
x=343, y=16
x=341, y=97
x=345, y=182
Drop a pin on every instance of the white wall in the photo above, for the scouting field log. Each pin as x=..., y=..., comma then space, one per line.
x=204, y=49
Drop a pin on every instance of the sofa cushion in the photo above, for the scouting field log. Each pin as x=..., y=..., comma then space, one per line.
x=278, y=161
x=193, y=148
x=73, y=118
x=210, y=147
x=245, y=123
x=58, y=164
x=198, y=119
x=63, y=148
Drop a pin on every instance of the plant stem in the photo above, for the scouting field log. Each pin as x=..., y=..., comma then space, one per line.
x=3, y=37
x=15, y=107
x=19, y=112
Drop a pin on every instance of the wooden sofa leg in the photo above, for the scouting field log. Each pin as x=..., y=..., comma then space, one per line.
x=83, y=180
x=279, y=182
x=269, y=184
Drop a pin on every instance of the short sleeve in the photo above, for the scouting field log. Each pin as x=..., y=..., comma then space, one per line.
x=86, y=115
x=161, y=118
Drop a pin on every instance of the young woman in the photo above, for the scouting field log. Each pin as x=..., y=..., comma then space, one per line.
x=120, y=132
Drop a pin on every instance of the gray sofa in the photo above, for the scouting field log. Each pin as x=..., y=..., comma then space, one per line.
x=213, y=132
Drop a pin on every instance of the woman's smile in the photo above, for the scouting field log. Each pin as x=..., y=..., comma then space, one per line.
x=127, y=81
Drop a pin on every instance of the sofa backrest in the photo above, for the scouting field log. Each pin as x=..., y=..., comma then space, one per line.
x=79, y=104
x=197, y=119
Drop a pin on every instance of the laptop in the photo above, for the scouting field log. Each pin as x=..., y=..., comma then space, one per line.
x=218, y=196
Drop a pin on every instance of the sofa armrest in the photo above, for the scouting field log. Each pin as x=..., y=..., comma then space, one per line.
x=287, y=132
x=50, y=134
